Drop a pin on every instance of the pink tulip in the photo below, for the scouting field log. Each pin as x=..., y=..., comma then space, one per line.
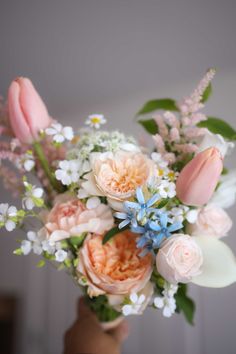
x=198, y=179
x=27, y=112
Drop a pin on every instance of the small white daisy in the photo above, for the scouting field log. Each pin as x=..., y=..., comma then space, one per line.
x=60, y=133
x=95, y=120
x=135, y=304
x=168, y=304
x=7, y=216
x=166, y=189
x=183, y=212
x=33, y=196
x=69, y=171
x=33, y=243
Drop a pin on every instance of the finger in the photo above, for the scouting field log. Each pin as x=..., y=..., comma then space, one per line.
x=121, y=332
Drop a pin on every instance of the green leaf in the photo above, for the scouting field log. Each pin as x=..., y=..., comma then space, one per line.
x=18, y=252
x=104, y=311
x=219, y=126
x=112, y=232
x=149, y=125
x=185, y=304
x=166, y=104
x=77, y=241
x=41, y=263
x=207, y=93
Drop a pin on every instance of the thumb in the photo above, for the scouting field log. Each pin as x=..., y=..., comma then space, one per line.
x=121, y=332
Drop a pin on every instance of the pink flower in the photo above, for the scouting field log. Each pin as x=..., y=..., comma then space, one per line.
x=27, y=112
x=70, y=217
x=114, y=268
x=179, y=259
x=212, y=221
x=198, y=179
x=118, y=176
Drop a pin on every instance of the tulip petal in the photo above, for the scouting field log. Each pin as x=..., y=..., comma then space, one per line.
x=219, y=265
x=16, y=116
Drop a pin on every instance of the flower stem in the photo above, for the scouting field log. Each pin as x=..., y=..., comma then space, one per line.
x=45, y=165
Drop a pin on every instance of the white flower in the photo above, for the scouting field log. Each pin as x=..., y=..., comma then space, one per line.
x=215, y=140
x=60, y=133
x=225, y=194
x=7, y=216
x=135, y=304
x=61, y=255
x=26, y=161
x=168, y=304
x=33, y=196
x=183, y=212
x=166, y=189
x=167, y=301
x=69, y=171
x=49, y=246
x=95, y=120
x=82, y=193
x=33, y=243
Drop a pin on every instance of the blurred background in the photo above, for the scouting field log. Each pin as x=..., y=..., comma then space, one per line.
x=111, y=56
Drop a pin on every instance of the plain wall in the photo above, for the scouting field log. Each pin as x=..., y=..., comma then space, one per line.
x=111, y=56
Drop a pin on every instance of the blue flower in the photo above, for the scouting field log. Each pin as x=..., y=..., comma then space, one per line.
x=128, y=217
x=155, y=232
x=141, y=207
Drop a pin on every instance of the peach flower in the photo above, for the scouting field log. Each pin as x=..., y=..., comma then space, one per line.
x=117, y=176
x=212, y=221
x=114, y=268
x=179, y=259
x=71, y=218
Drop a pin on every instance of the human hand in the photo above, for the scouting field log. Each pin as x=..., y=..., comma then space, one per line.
x=86, y=335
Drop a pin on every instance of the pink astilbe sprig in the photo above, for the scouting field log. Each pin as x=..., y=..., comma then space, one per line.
x=179, y=134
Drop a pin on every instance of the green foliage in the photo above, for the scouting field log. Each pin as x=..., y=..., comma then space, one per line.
x=207, y=93
x=185, y=304
x=77, y=241
x=41, y=263
x=166, y=104
x=149, y=125
x=101, y=307
x=219, y=126
x=18, y=252
x=111, y=233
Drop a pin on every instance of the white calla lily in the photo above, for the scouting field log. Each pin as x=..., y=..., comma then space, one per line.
x=219, y=265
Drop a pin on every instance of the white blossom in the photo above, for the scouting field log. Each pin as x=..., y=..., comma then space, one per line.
x=166, y=189
x=183, y=212
x=26, y=161
x=60, y=133
x=93, y=202
x=7, y=216
x=61, y=255
x=69, y=171
x=167, y=302
x=33, y=243
x=134, y=305
x=95, y=120
x=33, y=196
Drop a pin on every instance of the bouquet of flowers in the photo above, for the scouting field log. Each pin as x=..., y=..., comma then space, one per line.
x=131, y=227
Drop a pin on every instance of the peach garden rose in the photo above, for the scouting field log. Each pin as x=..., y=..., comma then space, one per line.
x=70, y=217
x=114, y=268
x=117, y=176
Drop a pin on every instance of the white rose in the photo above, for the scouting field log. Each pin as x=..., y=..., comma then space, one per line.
x=225, y=194
x=215, y=140
x=212, y=221
x=179, y=259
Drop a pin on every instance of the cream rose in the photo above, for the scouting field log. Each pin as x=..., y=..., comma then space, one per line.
x=212, y=221
x=118, y=175
x=114, y=268
x=179, y=259
x=70, y=217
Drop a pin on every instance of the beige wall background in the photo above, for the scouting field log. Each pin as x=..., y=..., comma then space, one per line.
x=111, y=56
